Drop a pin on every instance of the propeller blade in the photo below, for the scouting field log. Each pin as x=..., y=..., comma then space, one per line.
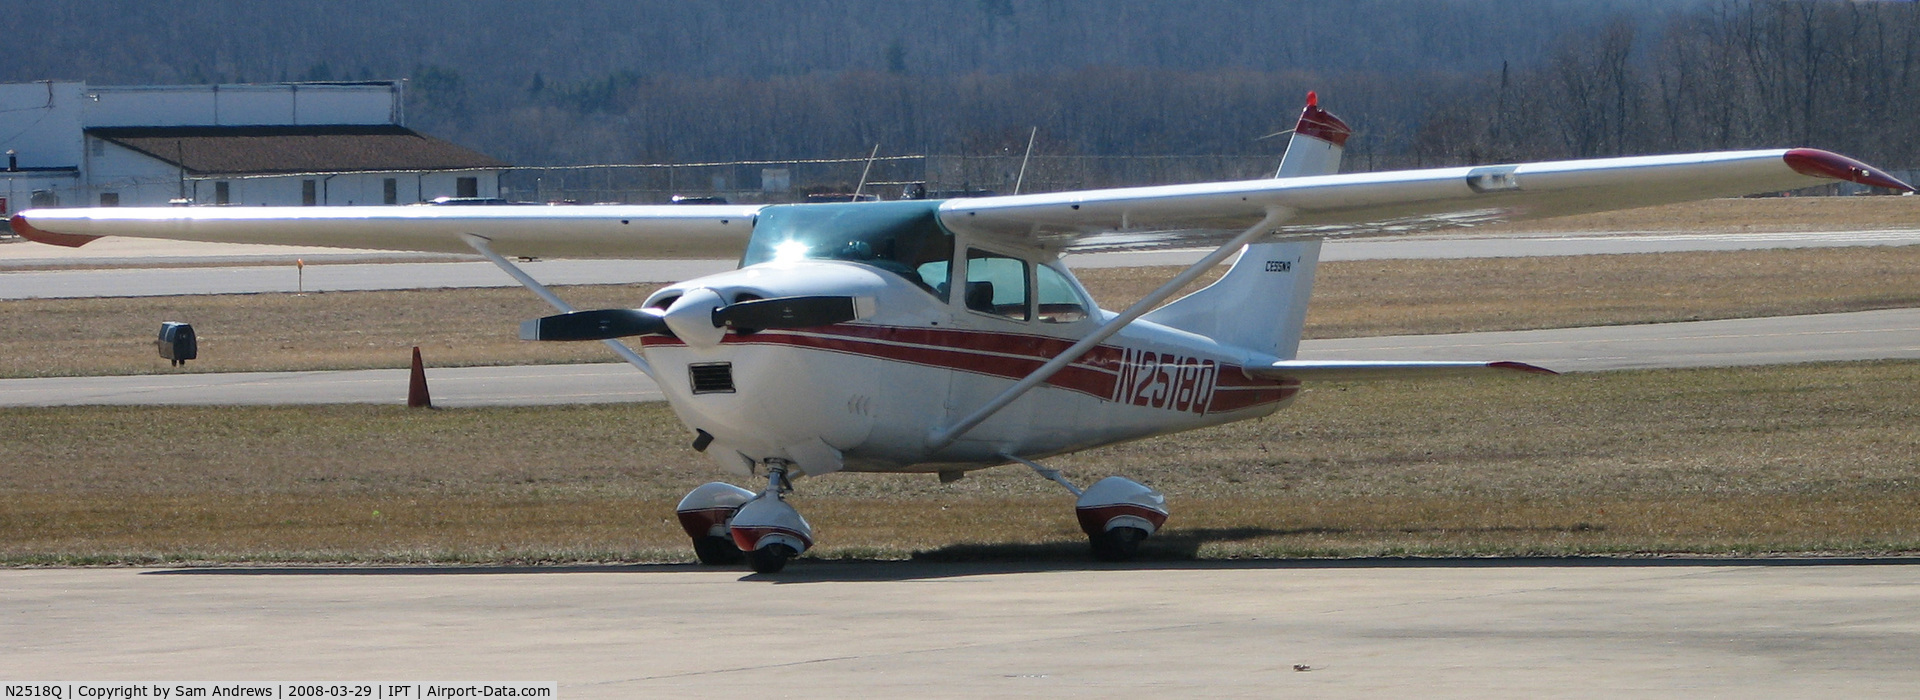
x=787, y=312
x=595, y=325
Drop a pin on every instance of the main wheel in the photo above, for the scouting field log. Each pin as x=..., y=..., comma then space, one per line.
x=1117, y=544
x=714, y=550
x=770, y=559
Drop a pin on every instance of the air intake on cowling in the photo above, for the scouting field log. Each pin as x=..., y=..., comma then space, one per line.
x=711, y=377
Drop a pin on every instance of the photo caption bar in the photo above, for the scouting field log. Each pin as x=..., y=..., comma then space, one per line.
x=152, y=690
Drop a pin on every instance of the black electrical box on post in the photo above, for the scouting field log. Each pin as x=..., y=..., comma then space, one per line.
x=176, y=343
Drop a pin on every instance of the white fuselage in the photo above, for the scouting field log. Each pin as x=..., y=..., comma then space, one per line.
x=873, y=390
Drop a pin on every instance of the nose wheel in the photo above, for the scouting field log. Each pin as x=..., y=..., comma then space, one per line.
x=767, y=529
x=770, y=559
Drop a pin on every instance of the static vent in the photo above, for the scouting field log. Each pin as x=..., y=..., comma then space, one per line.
x=711, y=377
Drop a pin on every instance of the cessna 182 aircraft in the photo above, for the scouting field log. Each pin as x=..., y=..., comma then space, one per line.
x=947, y=336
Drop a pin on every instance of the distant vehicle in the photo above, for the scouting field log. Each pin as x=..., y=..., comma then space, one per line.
x=830, y=197
x=960, y=194
x=946, y=336
x=692, y=199
x=470, y=201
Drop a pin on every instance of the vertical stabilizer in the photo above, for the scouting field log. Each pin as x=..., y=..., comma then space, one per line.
x=1261, y=303
x=1318, y=140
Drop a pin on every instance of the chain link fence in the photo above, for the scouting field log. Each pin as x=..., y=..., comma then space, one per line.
x=890, y=177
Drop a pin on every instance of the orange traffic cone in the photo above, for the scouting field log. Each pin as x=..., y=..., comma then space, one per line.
x=417, y=388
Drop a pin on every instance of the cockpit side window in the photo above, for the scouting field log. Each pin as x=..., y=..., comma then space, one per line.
x=904, y=238
x=1057, y=299
x=997, y=284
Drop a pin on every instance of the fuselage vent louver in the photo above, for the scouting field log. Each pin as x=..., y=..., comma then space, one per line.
x=711, y=377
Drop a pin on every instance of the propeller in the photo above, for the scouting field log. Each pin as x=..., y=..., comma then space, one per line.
x=786, y=312
x=603, y=324
x=757, y=314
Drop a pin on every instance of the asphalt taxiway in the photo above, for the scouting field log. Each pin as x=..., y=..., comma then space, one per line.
x=1866, y=335
x=1369, y=628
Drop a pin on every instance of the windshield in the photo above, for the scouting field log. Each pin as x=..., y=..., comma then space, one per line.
x=903, y=238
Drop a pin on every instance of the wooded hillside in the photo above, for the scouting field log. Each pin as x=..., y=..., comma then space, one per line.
x=1426, y=82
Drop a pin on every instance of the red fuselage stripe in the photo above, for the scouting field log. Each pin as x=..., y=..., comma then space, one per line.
x=1012, y=356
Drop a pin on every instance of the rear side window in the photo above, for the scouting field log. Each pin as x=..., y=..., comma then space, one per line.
x=997, y=284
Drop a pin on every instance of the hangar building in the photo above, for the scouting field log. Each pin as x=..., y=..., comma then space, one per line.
x=285, y=144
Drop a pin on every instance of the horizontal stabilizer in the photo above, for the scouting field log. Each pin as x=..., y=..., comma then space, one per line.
x=1364, y=370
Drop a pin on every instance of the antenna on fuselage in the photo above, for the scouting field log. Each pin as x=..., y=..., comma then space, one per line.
x=864, y=171
x=1022, y=177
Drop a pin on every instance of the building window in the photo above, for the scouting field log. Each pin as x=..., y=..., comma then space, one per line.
x=222, y=193
x=309, y=192
x=109, y=199
x=466, y=187
x=390, y=191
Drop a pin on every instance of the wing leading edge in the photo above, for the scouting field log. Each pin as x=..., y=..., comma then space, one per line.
x=1390, y=203
x=592, y=231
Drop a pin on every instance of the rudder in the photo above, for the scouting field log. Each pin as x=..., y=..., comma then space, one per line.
x=1275, y=279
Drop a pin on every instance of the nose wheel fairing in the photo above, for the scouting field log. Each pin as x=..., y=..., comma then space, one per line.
x=767, y=528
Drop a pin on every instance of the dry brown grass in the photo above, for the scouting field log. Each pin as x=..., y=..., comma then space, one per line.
x=1814, y=458
x=342, y=330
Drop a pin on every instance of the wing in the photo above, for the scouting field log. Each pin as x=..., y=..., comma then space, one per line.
x=1330, y=206
x=1390, y=203
x=593, y=231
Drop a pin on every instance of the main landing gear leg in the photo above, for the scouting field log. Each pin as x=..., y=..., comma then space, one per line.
x=1117, y=514
x=769, y=530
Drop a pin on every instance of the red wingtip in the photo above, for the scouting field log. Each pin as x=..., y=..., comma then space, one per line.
x=27, y=231
x=1313, y=99
x=1522, y=367
x=1817, y=163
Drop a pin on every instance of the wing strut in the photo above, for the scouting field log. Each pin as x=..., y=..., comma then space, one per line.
x=943, y=437
x=480, y=244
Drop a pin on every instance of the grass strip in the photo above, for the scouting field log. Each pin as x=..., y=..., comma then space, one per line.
x=1802, y=458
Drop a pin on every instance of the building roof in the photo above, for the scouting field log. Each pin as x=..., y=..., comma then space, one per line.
x=268, y=150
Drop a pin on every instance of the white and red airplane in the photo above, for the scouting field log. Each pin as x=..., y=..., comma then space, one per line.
x=947, y=336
